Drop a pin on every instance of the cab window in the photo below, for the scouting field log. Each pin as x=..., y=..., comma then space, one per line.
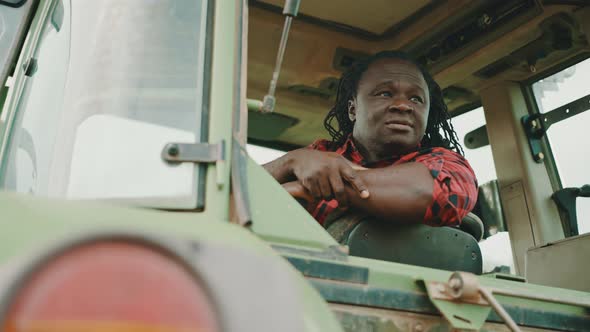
x=566, y=138
x=480, y=159
x=94, y=117
x=495, y=249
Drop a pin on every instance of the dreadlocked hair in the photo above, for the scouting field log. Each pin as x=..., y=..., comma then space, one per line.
x=439, y=130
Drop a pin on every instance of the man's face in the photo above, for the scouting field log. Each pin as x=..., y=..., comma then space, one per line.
x=391, y=108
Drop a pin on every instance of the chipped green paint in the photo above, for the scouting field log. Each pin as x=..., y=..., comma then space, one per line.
x=277, y=217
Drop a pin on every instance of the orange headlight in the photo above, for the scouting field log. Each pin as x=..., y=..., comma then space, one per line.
x=111, y=285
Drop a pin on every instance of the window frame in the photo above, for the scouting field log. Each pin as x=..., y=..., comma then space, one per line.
x=533, y=108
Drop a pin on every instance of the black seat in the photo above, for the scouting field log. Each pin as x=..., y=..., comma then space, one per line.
x=447, y=248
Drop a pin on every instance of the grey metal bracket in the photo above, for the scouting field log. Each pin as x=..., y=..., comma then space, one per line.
x=465, y=303
x=536, y=125
x=197, y=153
x=194, y=152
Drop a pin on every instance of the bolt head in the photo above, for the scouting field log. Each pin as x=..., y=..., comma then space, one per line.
x=173, y=150
x=539, y=156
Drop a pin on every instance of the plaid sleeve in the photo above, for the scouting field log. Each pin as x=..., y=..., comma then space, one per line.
x=455, y=187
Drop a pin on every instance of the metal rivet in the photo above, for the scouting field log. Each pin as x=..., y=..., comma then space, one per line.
x=532, y=68
x=173, y=150
x=540, y=156
x=567, y=110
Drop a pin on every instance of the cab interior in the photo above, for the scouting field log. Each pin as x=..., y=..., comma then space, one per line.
x=484, y=54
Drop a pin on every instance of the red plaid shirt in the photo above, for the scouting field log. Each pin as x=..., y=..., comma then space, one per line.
x=455, y=186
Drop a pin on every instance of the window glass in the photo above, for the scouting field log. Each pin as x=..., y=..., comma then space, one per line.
x=496, y=253
x=115, y=82
x=570, y=150
x=496, y=250
x=480, y=159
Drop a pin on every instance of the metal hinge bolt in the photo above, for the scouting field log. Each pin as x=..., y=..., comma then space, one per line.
x=173, y=150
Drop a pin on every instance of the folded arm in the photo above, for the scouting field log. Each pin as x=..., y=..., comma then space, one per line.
x=323, y=175
x=401, y=192
x=437, y=188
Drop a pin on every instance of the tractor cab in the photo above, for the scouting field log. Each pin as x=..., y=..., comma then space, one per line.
x=132, y=135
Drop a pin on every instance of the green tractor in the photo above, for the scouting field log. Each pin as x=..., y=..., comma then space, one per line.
x=131, y=199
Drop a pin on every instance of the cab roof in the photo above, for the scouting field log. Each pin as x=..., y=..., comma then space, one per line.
x=467, y=46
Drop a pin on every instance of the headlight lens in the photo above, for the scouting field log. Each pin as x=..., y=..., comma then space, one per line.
x=112, y=285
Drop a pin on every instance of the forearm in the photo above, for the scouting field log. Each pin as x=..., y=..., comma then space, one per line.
x=400, y=193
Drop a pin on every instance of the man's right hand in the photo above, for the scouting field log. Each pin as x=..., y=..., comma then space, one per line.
x=324, y=174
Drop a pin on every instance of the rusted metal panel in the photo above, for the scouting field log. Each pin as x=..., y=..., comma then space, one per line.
x=375, y=297
x=355, y=318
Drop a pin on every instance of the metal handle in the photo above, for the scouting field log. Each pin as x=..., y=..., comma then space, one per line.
x=290, y=10
x=499, y=310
